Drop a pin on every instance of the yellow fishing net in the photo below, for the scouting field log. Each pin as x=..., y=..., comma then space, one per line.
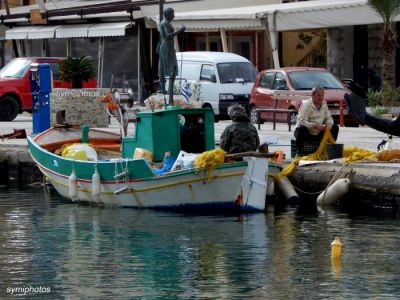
x=349, y=153
x=209, y=159
x=320, y=154
x=355, y=153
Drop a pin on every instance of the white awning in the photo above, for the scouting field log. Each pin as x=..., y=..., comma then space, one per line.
x=321, y=14
x=18, y=33
x=242, y=24
x=109, y=29
x=210, y=20
x=281, y=17
x=73, y=31
x=42, y=32
x=67, y=31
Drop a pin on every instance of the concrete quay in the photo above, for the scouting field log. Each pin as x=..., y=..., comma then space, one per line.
x=380, y=181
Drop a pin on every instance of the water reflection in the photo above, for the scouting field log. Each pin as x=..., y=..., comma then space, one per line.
x=84, y=251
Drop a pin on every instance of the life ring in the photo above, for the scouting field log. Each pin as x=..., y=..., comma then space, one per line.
x=108, y=99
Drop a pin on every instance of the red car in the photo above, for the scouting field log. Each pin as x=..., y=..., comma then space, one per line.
x=287, y=88
x=15, y=94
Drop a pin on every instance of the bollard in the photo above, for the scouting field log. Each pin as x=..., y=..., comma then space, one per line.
x=336, y=246
x=341, y=112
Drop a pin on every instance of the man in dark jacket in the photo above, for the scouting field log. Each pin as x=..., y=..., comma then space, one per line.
x=241, y=135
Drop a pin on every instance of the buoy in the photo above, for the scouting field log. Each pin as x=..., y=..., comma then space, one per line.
x=334, y=192
x=72, y=186
x=96, y=188
x=287, y=189
x=336, y=248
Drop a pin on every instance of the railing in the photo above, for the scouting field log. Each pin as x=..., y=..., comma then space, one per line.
x=315, y=58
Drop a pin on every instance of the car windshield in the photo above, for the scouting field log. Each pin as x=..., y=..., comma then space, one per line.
x=236, y=72
x=15, y=68
x=306, y=80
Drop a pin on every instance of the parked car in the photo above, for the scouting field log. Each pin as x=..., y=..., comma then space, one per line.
x=223, y=78
x=15, y=94
x=287, y=88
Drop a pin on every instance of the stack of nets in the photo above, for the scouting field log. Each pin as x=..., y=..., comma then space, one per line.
x=350, y=154
x=209, y=159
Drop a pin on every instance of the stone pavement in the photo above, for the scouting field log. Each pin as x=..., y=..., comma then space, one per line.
x=278, y=139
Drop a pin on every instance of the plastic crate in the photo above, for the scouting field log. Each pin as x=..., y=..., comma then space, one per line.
x=308, y=148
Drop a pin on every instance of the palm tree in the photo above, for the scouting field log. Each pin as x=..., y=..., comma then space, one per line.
x=388, y=10
x=77, y=70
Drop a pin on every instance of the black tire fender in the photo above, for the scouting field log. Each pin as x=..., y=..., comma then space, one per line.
x=9, y=108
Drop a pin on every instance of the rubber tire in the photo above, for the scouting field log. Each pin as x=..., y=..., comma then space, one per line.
x=9, y=108
x=254, y=116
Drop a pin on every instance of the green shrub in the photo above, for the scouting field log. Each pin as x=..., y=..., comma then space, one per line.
x=388, y=96
x=76, y=70
x=380, y=110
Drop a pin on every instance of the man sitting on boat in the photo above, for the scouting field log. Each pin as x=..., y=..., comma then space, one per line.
x=313, y=118
x=241, y=135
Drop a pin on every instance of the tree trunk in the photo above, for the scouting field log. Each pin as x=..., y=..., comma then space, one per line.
x=389, y=48
x=76, y=84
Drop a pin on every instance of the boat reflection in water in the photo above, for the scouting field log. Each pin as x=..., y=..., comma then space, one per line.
x=85, y=251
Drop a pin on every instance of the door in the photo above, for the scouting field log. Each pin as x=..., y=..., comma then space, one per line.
x=208, y=87
x=263, y=94
x=279, y=100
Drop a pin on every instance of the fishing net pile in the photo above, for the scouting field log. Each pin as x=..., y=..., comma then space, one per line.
x=209, y=159
x=350, y=154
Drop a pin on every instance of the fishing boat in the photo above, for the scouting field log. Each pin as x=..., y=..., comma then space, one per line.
x=105, y=168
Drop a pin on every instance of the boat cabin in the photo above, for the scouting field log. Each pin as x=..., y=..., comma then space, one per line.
x=171, y=129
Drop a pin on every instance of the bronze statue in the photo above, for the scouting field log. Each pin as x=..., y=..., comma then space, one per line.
x=357, y=106
x=167, y=65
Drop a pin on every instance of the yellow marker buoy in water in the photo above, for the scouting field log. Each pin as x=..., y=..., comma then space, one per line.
x=336, y=246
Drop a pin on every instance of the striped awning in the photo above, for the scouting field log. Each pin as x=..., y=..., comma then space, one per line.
x=73, y=31
x=18, y=33
x=109, y=29
x=42, y=32
x=67, y=31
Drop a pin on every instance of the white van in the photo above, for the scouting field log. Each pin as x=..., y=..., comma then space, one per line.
x=222, y=79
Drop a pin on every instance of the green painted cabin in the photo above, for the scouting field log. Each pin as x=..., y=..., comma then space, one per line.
x=163, y=130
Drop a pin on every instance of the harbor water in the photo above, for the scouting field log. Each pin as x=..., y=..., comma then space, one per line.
x=53, y=249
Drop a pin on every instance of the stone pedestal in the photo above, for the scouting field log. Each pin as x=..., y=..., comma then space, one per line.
x=81, y=106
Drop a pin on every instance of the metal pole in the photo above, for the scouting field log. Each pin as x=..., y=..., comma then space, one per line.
x=161, y=12
x=138, y=63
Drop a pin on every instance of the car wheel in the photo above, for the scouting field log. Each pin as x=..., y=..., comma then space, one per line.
x=351, y=124
x=254, y=116
x=9, y=108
